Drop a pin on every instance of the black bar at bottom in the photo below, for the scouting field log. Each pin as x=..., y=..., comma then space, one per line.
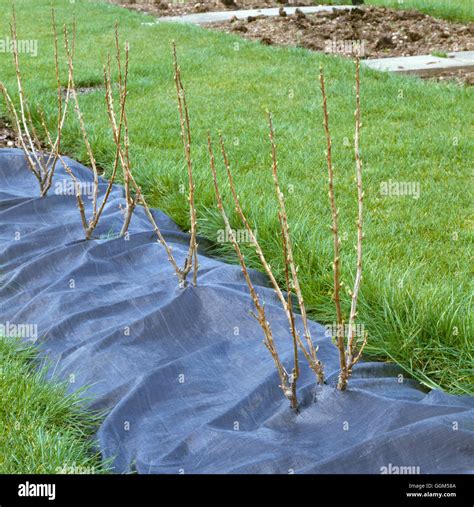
x=317, y=490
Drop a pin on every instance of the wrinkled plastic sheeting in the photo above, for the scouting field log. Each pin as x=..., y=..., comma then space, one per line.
x=186, y=381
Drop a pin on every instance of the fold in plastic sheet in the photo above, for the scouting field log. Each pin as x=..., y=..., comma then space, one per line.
x=187, y=383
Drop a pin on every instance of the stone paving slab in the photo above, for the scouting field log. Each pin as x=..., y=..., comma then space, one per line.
x=216, y=17
x=423, y=65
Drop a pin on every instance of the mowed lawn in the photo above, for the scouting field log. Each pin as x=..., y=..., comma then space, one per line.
x=417, y=286
x=43, y=429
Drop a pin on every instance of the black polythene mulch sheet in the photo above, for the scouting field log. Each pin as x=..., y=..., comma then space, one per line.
x=186, y=381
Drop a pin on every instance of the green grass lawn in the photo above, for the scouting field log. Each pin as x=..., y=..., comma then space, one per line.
x=416, y=291
x=42, y=428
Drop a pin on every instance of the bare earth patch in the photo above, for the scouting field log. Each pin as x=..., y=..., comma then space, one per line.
x=382, y=32
x=374, y=32
x=9, y=139
x=163, y=8
x=460, y=76
x=7, y=135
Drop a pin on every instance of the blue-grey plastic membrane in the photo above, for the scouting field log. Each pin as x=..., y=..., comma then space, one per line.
x=187, y=383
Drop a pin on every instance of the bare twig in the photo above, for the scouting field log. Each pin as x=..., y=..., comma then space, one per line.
x=351, y=355
x=77, y=188
x=253, y=239
x=121, y=153
x=97, y=209
x=192, y=257
x=288, y=382
x=20, y=134
x=335, y=230
x=314, y=362
x=124, y=157
x=62, y=110
x=251, y=234
x=348, y=353
x=22, y=98
x=120, y=130
x=41, y=165
x=191, y=261
x=83, y=129
x=294, y=332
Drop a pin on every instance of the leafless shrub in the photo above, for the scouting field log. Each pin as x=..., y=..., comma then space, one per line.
x=349, y=350
x=120, y=130
x=119, y=124
x=122, y=142
x=41, y=164
x=287, y=381
x=191, y=261
x=97, y=207
x=311, y=353
x=192, y=256
x=292, y=283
